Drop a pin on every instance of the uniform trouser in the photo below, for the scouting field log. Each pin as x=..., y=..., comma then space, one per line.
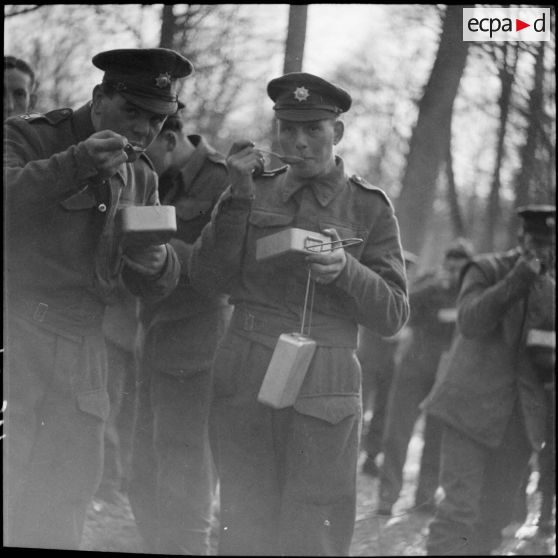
x=411, y=383
x=373, y=437
x=429, y=462
x=171, y=486
x=122, y=378
x=287, y=480
x=480, y=486
x=55, y=387
x=547, y=462
x=376, y=356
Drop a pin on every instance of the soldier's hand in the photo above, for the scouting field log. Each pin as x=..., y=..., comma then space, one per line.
x=147, y=260
x=106, y=150
x=532, y=259
x=243, y=159
x=326, y=266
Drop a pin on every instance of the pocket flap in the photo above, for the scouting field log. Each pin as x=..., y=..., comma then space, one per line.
x=95, y=403
x=331, y=408
x=84, y=199
x=260, y=218
x=188, y=209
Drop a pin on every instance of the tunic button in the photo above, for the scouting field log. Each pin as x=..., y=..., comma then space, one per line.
x=102, y=207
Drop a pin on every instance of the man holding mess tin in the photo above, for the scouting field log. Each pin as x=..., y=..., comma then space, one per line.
x=288, y=473
x=67, y=174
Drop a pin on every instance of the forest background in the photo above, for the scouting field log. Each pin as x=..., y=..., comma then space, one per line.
x=459, y=134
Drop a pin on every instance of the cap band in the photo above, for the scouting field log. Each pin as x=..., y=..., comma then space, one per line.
x=329, y=108
x=140, y=90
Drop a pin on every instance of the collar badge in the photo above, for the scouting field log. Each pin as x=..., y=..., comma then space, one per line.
x=301, y=94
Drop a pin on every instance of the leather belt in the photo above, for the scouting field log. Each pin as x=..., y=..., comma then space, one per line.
x=327, y=331
x=42, y=312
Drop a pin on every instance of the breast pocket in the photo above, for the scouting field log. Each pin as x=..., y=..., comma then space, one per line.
x=84, y=199
x=263, y=225
x=267, y=222
x=75, y=226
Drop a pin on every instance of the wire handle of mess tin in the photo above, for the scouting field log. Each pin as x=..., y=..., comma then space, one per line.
x=317, y=243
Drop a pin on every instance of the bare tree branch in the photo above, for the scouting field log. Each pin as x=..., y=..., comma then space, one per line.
x=16, y=10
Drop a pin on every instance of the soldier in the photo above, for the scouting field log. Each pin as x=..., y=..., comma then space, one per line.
x=171, y=491
x=288, y=475
x=19, y=87
x=432, y=299
x=492, y=397
x=66, y=175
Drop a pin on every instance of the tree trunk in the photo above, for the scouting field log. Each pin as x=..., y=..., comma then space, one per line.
x=428, y=145
x=493, y=211
x=294, y=51
x=168, y=27
x=296, y=38
x=455, y=211
x=525, y=182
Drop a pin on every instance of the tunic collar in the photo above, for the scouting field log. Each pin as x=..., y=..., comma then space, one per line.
x=325, y=187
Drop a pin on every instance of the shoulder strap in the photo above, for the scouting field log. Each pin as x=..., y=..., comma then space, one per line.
x=359, y=181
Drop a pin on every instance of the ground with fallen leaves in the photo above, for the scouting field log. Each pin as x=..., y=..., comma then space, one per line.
x=110, y=526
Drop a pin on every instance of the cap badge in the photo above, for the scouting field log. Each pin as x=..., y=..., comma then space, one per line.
x=301, y=94
x=163, y=80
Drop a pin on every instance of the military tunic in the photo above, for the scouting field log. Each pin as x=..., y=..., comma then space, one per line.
x=172, y=483
x=488, y=359
x=288, y=476
x=63, y=265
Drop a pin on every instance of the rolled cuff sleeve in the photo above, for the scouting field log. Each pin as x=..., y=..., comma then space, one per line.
x=375, y=297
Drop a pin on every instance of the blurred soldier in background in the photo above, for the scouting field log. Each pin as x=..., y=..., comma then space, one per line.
x=19, y=87
x=492, y=398
x=288, y=475
x=432, y=300
x=378, y=356
x=66, y=174
x=171, y=491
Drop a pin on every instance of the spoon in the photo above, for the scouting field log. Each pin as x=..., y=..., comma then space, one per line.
x=133, y=152
x=289, y=159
